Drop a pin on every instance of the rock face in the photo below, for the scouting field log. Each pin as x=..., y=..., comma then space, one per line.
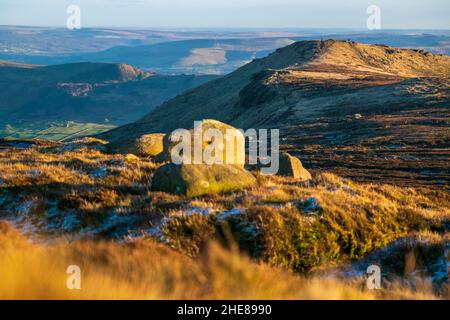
x=291, y=166
x=232, y=138
x=199, y=179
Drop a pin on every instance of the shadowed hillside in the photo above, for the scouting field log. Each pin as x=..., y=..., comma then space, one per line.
x=76, y=191
x=84, y=92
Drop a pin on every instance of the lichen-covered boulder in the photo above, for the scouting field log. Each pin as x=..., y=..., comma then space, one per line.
x=195, y=180
x=232, y=139
x=148, y=145
x=291, y=166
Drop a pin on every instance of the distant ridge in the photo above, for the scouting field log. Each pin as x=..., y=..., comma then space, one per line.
x=84, y=92
x=96, y=72
x=296, y=83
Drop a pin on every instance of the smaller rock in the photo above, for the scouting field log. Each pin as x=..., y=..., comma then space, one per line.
x=291, y=166
x=148, y=145
x=310, y=206
x=99, y=173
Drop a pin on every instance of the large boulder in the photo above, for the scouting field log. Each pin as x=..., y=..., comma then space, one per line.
x=195, y=180
x=148, y=145
x=291, y=166
x=235, y=140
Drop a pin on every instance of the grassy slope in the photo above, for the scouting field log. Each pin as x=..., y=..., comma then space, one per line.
x=148, y=270
x=222, y=99
x=54, y=132
x=70, y=191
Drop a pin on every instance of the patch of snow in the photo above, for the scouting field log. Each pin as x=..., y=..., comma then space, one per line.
x=197, y=210
x=116, y=225
x=24, y=208
x=251, y=230
x=33, y=172
x=231, y=213
x=310, y=206
x=436, y=270
x=99, y=173
x=64, y=221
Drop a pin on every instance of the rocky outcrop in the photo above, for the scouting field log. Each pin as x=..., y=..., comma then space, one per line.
x=199, y=179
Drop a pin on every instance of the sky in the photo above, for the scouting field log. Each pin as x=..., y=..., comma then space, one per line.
x=264, y=14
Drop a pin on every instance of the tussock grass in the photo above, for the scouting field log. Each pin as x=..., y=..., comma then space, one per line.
x=145, y=269
x=349, y=221
x=280, y=224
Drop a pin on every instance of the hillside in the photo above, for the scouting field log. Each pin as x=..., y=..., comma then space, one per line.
x=369, y=123
x=327, y=96
x=84, y=92
x=328, y=228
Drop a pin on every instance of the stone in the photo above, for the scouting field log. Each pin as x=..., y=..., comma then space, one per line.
x=194, y=180
x=148, y=145
x=237, y=144
x=291, y=166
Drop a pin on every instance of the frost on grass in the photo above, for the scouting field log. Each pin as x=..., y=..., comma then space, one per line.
x=280, y=221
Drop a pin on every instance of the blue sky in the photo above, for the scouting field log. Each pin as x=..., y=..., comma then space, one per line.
x=410, y=14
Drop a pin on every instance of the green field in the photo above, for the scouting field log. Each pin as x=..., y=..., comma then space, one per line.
x=55, y=131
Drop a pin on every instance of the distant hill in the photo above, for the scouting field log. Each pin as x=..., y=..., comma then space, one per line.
x=199, y=56
x=324, y=93
x=84, y=92
x=299, y=81
x=186, y=52
x=190, y=56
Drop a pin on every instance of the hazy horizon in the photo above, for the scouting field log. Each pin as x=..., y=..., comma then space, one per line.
x=233, y=29
x=244, y=14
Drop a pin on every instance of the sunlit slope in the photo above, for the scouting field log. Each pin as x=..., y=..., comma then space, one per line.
x=305, y=76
